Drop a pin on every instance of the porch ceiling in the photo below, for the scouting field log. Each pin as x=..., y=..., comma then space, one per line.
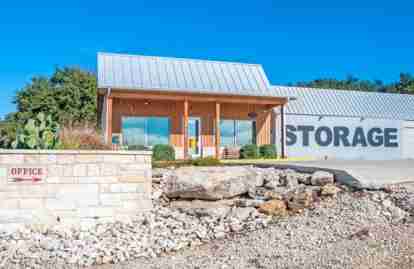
x=179, y=96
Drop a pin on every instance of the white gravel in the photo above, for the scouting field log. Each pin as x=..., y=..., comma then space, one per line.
x=352, y=230
x=358, y=230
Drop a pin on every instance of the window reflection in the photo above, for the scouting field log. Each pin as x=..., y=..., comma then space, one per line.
x=237, y=132
x=145, y=131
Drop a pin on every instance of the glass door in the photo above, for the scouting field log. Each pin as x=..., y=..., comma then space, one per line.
x=194, y=141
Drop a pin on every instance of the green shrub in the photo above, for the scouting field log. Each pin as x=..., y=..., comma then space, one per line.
x=137, y=147
x=208, y=161
x=268, y=151
x=163, y=153
x=249, y=152
x=38, y=133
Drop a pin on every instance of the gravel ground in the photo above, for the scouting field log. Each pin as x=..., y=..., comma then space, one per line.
x=358, y=230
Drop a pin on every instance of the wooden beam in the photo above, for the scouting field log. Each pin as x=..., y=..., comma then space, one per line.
x=282, y=131
x=217, y=127
x=185, y=131
x=271, y=101
x=109, y=103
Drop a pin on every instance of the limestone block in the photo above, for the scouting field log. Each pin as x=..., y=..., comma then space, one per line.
x=93, y=170
x=131, y=206
x=68, y=171
x=55, y=170
x=65, y=159
x=143, y=159
x=67, y=180
x=48, y=159
x=89, y=158
x=7, y=203
x=31, y=159
x=132, y=179
x=32, y=190
x=137, y=169
x=98, y=179
x=32, y=203
x=77, y=191
x=131, y=196
x=60, y=204
x=104, y=188
x=124, y=187
x=95, y=212
x=80, y=170
x=119, y=158
x=110, y=199
x=108, y=169
x=12, y=159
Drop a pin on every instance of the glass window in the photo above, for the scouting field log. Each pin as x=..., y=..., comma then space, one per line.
x=227, y=132
x=244, y=133
x=133, y=131
x=237, y=132
x=145, y=131
x=158, y=130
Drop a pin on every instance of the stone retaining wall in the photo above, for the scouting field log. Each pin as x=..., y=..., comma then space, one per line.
x=72, y=187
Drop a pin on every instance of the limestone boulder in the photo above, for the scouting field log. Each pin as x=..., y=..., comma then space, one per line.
x=300, y=199
x=210, y=183
x=320, y=178
x=274, y=207
x=217, y=209
x=330, y=190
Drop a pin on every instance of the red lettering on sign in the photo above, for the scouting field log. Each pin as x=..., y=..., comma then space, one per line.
x=32, y=174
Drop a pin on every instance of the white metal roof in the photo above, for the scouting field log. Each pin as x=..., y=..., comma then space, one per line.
x=135, y=72
x=347, y=103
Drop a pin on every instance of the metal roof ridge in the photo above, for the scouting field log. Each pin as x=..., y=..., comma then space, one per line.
x=341, y=90
x=176, y=58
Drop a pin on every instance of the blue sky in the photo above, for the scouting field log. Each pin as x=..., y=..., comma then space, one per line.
x=294, y=40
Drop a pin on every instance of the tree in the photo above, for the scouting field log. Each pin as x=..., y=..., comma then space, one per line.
x=69, y=95
x=404, y=85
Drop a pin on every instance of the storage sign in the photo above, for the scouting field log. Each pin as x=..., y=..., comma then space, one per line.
x=26, y=174
x=342, y=138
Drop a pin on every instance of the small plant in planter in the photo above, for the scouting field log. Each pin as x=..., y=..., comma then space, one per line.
x=268, y=151
x=163, y=153
x=249, y=152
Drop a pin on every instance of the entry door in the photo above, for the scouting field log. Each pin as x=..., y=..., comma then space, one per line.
x=408, y=142
x=194, y=137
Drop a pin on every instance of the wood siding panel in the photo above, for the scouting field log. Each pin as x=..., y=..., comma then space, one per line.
x=206, y=111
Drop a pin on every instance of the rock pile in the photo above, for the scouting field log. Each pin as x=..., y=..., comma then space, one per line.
x=218, y=201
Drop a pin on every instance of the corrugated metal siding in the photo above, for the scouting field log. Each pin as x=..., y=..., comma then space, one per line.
x=347, y=103
x=133, y=72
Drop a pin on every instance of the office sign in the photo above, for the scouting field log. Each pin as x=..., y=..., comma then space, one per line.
x=26, y=174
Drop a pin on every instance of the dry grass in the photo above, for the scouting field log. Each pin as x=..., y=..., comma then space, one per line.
x=81, y=136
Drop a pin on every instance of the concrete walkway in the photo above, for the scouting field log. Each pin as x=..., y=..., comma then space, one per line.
x=360, y=173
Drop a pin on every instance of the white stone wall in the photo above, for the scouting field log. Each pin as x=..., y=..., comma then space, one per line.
x=78, y=187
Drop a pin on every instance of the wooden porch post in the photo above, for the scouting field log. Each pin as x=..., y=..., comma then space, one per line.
x=217, y=131
x=185, y=131
x=282, y=131
x=109, y=102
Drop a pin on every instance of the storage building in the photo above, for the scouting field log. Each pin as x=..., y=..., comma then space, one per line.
x=326, y=123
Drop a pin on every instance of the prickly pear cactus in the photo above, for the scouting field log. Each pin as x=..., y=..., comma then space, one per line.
x=38, y=133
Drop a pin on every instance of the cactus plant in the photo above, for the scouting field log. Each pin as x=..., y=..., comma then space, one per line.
x=38, y=133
